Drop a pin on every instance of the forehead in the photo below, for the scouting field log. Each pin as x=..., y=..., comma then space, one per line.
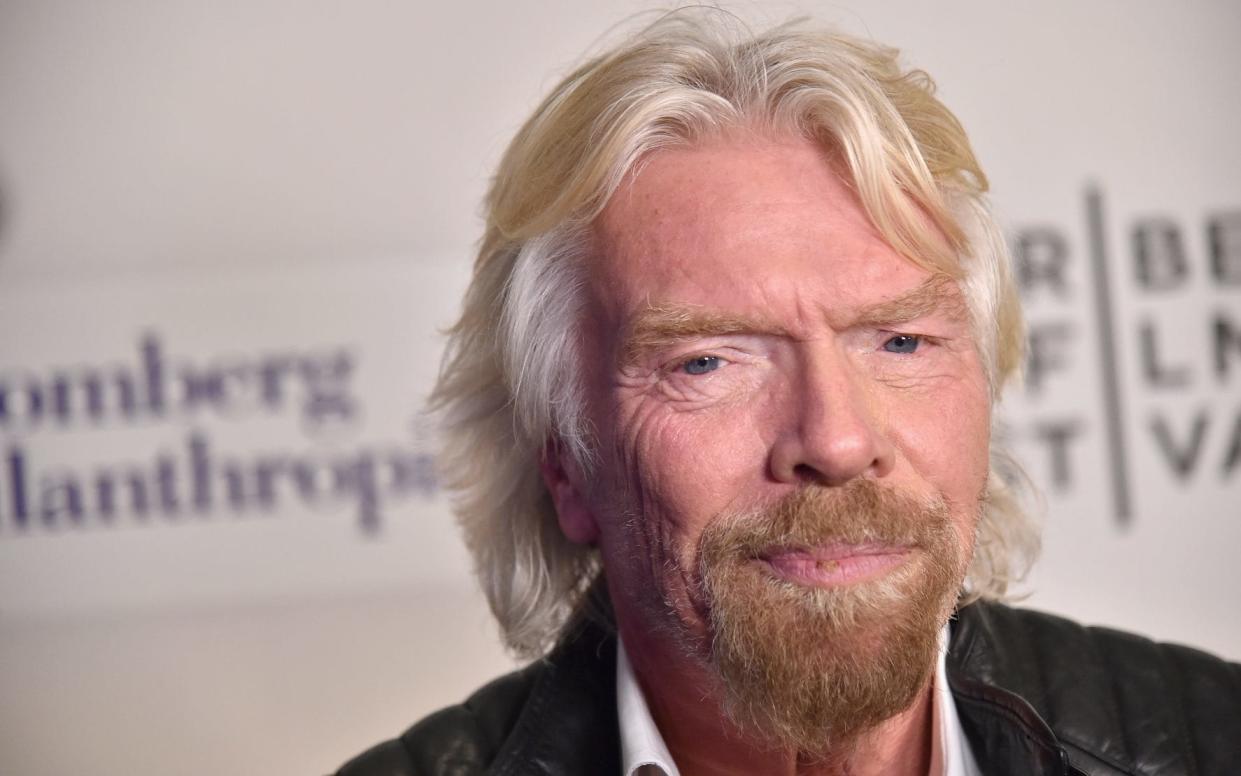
x=754, y=222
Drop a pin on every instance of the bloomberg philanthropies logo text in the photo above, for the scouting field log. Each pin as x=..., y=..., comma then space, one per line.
x=190, y=478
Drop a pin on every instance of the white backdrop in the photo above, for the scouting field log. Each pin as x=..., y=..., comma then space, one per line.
x=229, y=233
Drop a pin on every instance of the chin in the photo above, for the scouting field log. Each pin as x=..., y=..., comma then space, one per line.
x=812, y=667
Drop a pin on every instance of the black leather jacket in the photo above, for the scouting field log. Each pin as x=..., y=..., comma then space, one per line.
x=1036, y=694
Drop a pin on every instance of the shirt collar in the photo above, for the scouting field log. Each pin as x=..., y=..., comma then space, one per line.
x=642, y=747
x=958, y=759
x=643, y=750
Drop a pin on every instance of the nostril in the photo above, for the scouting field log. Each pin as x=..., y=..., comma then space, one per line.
x=804, y=471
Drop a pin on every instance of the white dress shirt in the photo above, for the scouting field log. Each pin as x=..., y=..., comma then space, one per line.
x=644, y=753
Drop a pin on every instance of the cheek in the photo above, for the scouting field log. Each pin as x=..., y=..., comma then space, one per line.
x=946, y=440
x=686, y=468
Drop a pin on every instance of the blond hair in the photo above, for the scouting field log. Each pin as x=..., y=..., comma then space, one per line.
x=508, y=384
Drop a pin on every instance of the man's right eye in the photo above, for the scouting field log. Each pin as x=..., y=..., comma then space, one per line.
x=700, y=365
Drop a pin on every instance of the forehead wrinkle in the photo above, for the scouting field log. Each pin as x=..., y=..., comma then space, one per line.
x=937, y=294
x=656, y=326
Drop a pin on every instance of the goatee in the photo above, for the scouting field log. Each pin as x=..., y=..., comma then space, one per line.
x=813, y=668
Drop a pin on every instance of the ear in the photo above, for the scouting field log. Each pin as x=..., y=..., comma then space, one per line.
x=564, y=482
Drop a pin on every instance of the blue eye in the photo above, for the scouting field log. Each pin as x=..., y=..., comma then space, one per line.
x=902, y=343
x=701, y=365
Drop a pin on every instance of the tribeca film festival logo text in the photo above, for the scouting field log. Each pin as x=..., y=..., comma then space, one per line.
x=1174, y=372
x=189, y=478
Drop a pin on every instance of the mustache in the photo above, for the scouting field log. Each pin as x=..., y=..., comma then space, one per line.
x=860, y=512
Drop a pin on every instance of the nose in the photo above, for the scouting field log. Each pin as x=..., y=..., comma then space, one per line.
x=832, y=430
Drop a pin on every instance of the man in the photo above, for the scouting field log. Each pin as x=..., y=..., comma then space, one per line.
x=718, y=416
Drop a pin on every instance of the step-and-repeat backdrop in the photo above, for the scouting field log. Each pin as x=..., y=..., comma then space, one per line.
x=230, y=235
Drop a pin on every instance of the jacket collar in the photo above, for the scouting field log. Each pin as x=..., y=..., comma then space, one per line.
x=568, y=725
x=1005, y=733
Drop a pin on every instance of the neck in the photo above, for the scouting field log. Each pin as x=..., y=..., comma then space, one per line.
x=685, y=701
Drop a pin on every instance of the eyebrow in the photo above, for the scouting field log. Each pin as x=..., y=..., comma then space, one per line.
x=937, y=294
x=658, y=326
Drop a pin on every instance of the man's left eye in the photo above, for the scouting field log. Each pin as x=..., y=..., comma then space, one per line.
x=903, y=343
x=700, y=365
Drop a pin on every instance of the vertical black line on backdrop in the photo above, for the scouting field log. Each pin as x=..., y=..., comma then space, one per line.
x=1113, y=411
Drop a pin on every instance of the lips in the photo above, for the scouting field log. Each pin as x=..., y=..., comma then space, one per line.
x=833, y=564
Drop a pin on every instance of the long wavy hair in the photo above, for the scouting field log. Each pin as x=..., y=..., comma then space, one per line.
x=508, y=382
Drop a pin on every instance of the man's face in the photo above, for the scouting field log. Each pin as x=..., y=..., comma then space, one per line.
x=791, y=418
